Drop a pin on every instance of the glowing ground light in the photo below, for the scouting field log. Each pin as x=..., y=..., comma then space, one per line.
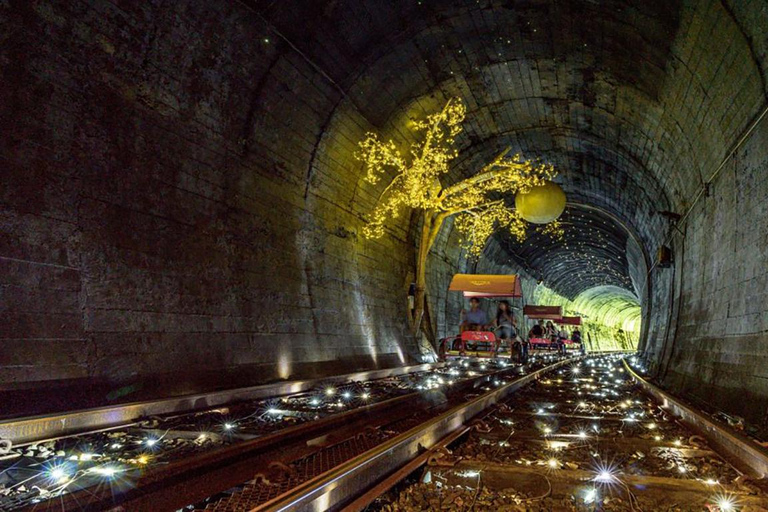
x=365, y=396
x=142, y=459
x=228, y=426
x=150, y=442
x=582, y=434
x=590, y=496
x=553, y=463
x=347, y=395
x=604, y=476
x=106, y=471
x=58, y=474
x=677, y=442
x=314, y=401
x=725, y=503
x=330, y=391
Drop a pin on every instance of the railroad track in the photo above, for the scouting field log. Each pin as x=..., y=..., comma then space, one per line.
x=53, y=426
x=593, y=436
x=184, y=465
x=334, y=487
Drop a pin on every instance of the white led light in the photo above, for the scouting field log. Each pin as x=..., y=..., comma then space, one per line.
x=604, y=476
x=105, y=471
x=726, y=504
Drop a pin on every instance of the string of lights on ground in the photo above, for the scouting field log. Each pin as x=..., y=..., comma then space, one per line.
x=42, y=471
x=583, y=439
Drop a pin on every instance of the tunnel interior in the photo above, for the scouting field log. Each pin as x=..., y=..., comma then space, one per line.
x=182, y=208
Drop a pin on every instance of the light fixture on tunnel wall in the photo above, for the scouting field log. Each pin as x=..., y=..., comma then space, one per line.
x=664, y=257
x=542, y=204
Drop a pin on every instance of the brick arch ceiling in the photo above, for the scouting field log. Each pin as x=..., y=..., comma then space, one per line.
x=596, y=88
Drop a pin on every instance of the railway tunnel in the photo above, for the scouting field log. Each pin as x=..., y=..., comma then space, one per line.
x=183, y=203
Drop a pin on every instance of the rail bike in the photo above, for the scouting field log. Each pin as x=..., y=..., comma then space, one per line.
x=553, y=314
x=480, y=343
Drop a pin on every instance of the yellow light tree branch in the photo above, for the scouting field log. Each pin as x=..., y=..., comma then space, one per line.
x=418, y=184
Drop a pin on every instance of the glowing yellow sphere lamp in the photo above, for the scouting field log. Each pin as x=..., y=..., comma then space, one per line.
x=542, y=204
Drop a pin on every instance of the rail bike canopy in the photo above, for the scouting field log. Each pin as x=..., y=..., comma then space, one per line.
x=543, y=312
x=485, y=285
x=570, y=320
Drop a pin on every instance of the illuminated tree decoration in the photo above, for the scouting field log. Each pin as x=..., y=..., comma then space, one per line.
x=476, y=202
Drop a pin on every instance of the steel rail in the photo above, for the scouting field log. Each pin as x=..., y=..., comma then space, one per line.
x=335, y=488
x=195, y=478
x=744, y=452
x=371, y=494
x=27, y=430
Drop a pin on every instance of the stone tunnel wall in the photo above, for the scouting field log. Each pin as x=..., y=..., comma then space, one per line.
x=707, y=326
x=180, y=196
x=170, y=209
x=719, y=354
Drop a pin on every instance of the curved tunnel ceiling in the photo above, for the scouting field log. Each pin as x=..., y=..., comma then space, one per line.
x=591, y=87
x=591, y=254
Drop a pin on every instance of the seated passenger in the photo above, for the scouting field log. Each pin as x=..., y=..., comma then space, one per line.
x=475, y=319
x=551, y=332
x=505, y=324
x=537, y=331
x=562, y=335
x=576, y=335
